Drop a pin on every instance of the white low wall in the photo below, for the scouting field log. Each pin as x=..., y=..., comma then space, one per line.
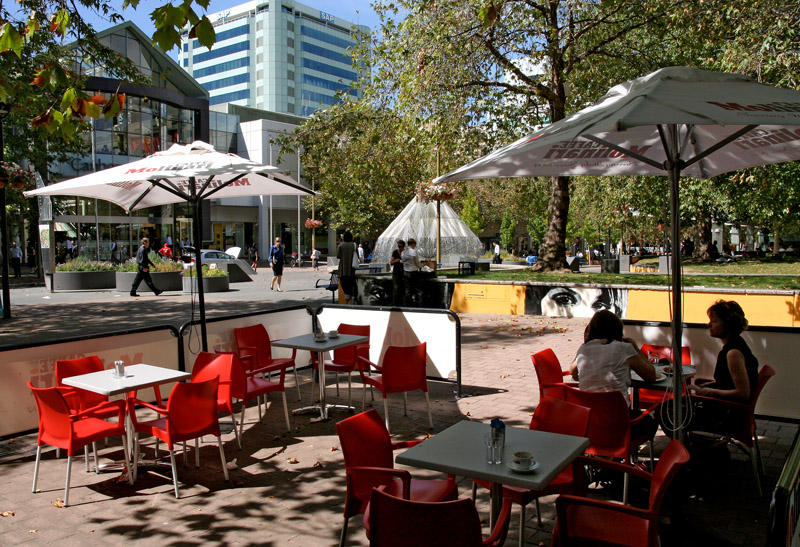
x=36, y=364
x=778, y=347
x=440, y=329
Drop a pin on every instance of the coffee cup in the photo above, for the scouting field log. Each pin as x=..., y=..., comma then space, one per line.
x=333, y=334
x=523, y=459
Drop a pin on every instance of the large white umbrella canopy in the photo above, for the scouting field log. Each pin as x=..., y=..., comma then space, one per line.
x=677, y=120
x=169, y=177
x=184, y=173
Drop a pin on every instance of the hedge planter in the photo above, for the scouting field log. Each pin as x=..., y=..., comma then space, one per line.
x=165, y=281
x=77, y=281
x=210, y=284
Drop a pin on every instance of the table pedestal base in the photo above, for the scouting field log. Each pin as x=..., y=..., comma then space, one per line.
x=322, y=409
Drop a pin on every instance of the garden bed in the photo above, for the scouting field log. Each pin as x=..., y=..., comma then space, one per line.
x=80, y=281
x=165, y=281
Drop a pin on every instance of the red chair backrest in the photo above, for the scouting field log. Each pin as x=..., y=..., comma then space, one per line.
x=365, y=441
x=764, y=375
x=255, y=336
x=75, y=367
x=668, y=465
x=345, y=355
x=404, y=368
x=54, y=422
x=192, y=408
x=609, y=424
x=665, y=352
x=399, y=522
x=548, y=373
x=227, y=368
x=555, y=416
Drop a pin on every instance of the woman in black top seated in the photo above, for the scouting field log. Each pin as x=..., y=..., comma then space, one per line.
x=735, y=374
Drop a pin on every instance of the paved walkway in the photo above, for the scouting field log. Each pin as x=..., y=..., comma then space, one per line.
x=288, y=489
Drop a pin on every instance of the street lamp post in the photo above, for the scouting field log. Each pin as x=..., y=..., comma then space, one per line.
x=3, y=225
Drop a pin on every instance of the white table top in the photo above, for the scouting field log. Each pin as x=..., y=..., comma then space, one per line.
x=307, y=342
x=666, y=382
x=137, y=376
x=460, y=449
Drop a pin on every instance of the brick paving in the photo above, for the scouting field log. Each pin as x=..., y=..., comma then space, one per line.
x=273, y=501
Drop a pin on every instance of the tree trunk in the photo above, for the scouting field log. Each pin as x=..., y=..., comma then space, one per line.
x=703, y=250
x=776, y=238
x=552, y=255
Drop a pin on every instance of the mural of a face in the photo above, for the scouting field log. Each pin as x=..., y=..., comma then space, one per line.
x=582, y=301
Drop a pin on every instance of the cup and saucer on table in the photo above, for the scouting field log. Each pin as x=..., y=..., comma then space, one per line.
x=319, y=336
x=522, y=462
x=333, y=334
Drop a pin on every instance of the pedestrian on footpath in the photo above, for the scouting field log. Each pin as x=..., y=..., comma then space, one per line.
x=143, y=263
x=315, y=254
x=398, y=274
x=16, y=258
x=347, y=255
x=253, y=256
x=277, y=258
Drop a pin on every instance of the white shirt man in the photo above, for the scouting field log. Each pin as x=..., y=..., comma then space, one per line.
x=410, y=258
x=360, y=253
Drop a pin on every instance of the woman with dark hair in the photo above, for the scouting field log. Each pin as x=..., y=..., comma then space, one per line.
x=605, y=360
x=736, y=371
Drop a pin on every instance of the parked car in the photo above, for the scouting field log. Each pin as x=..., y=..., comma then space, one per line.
x=208, y=256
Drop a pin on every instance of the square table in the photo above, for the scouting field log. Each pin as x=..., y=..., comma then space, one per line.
x=136, y=377
x=460, y=450
x=309, y=343
x=664, y=384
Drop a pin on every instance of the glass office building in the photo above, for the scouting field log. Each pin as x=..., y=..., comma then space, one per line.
x=283, y=57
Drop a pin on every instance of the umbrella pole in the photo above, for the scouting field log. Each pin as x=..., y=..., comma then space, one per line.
x=677, y=320
x=198, y=264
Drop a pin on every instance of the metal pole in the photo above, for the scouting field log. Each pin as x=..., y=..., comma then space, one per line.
x=4, y=234
x=677, y=320
x=438, y=218
x=94, y=169
x=298, y=210
x=198, y=264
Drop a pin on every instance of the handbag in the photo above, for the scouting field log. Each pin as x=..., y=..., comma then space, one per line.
x=355, y=262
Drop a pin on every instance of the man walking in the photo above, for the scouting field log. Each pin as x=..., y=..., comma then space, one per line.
x=143, y=262
x=16, y=258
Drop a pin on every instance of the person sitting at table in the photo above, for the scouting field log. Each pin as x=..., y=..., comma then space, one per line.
x=735, y=373
x=605, y=360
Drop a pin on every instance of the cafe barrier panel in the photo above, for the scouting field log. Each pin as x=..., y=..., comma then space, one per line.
x=774, y=346
x=389, y=326
x=35, y=363
x=280, y=323
x=784, y=509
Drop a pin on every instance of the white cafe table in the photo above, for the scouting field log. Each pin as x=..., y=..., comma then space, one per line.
x=139, y=376
x=309, y=343
x=663, y=384
x=460, y=450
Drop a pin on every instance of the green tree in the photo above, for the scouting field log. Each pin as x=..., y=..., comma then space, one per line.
x=508, y=230
x=519, y=63
x=470, y=212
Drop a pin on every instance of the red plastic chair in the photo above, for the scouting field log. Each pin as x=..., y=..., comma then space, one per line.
x=744, y=437
x=400, y=522
x=191, y=413
x=403, y=369
x=648, y=397
x=246, y=385
x=255, y=351
x=66, y=429
x=345, y=360
x=610, y=426
x=367, y=451
x=553, y=416
x=548, y=372
x=585, y=521
x=212, y=365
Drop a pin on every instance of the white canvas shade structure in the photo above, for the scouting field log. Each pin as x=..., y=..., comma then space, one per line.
x=184, y=173
x=418, y=220
x=675, y=121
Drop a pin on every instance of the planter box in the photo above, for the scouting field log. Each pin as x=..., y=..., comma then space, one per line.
x=165, y=281
x=210, y=284
x=77, y=281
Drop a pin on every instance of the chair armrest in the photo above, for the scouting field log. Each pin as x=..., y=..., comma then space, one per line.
x=565, y=500
x=365, y=364
x=133, y=402
x=616, y=466
x=384, y=474
x=405, y=444
x=120, y=406
x=566, y=373
x=644, y=413
x=731, y=402
x=500, y=530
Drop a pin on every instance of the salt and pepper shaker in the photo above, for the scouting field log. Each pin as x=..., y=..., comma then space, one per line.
x=498, y=439
x=119, y=369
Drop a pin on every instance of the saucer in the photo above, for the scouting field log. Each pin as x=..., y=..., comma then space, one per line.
x=320, y=339
x=519, y=469
x=659, y=376
x=333, y=335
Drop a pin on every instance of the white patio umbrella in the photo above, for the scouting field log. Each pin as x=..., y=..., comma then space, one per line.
x=675, y=121
x=184, y=173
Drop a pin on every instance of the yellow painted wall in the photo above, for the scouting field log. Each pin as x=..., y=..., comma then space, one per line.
x=475, y=298
x=774, y=310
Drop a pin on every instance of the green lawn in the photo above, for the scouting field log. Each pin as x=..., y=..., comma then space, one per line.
x=731, y=281
x=785, y=266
